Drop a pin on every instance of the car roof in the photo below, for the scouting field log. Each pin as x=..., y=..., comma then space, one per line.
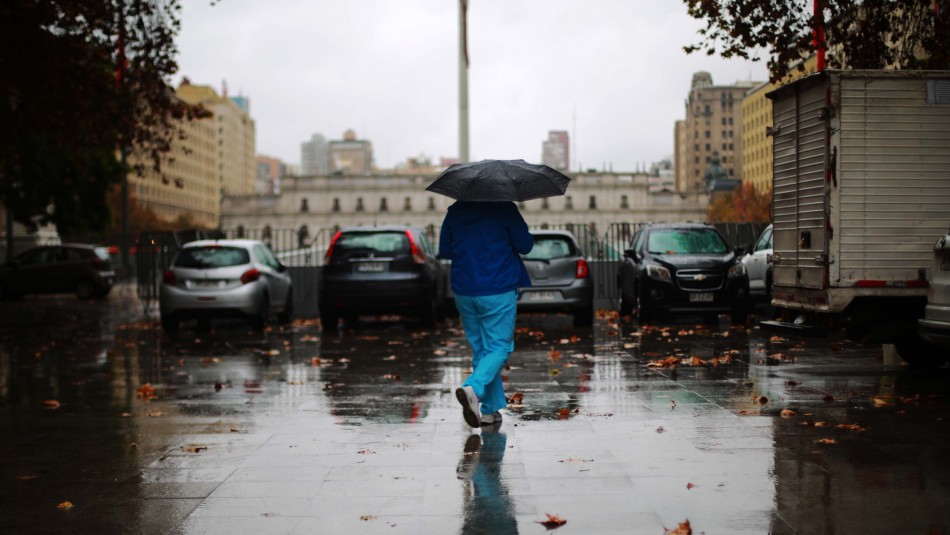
x=679, y=225
x=546, y=232
x=234, y=243
x=383, y=228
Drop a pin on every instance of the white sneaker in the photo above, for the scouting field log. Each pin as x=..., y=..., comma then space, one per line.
x=468, y=399
x=493, y=419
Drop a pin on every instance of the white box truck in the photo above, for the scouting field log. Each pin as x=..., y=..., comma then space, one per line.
x=861, y=192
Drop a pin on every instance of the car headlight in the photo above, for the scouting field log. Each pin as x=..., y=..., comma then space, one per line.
x=737, y=270
x=659, y=273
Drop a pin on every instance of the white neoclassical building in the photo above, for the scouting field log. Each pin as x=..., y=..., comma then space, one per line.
x=321, y=204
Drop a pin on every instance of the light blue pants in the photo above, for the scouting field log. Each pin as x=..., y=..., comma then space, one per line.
x=489, y=322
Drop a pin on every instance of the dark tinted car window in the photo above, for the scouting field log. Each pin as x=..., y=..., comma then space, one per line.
x=377, y=243
x=549, y=248
x=211, y=256
x=686, y=241
x=38, y=256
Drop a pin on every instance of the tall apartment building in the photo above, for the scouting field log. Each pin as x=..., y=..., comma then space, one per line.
x=211, y=159
x=188, y=181
x=556, y=152
x=756, y=117
x=351, y=156
x=269, y=172
x=713, y=126
x=235, y=130
x=315, y=156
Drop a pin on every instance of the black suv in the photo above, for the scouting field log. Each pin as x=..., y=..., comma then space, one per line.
x=377, y=270
x=682, y=267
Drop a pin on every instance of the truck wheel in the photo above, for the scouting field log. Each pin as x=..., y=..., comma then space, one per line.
x=920, y=353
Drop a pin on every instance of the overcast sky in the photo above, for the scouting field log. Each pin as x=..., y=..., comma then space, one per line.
x=611, y=72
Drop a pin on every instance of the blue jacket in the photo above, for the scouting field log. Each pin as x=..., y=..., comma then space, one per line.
x=483, y=241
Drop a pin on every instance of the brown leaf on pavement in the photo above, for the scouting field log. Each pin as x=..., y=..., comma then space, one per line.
x=564, y=414
x=554, y=354
x=367, y=518
x=315, y=361
x=552, y=522
x=668, y=362
x=660, y=429
x=826, y=441
x=689, y=486
x=880, y=402
x=51, y=404
x=517, y=398
x=850, y=427
x=146, y=392
x=787, y=413
x=218, y=387
x=683, y=529
x=193, y=449
x=65, y=505
x=745, y=412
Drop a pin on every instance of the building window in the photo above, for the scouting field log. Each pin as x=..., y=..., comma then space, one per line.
x=708, y=134
x=592, y=203
x=730, y=146
x=383, y=205
x=623, y=202
x=336, y=204
x=708, y=146
x=359, y=204
x=696, y=146
x=431, y=205
x=730, y=120
x=724, y=146
x=568, y=203
x=544, y=203
x=723, y=120
x=708, y=159
x=730, y=133
x=407, y=204
x=304, y=205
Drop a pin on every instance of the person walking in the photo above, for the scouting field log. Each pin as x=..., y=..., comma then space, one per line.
x=484, y=239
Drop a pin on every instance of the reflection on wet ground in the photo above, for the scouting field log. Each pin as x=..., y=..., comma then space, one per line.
x=111, y=427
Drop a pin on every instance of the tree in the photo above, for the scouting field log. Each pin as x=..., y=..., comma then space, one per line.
x=860, y=34
x=78, y=80
x=745, y=204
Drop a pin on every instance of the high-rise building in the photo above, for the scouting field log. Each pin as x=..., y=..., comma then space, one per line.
x=188, y=184
x=351, y=156
x=555, y=151
x=269, y=172
x=237, y=165
x=713, y=124
x=315, y=156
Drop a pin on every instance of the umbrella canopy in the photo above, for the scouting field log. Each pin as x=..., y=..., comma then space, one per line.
x=499, y=180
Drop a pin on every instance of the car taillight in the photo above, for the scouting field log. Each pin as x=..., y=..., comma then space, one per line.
x=326, y=258
x=168, y=277
x=582, y=269
x=250, y=275
x=100, y=264
x=417, y=257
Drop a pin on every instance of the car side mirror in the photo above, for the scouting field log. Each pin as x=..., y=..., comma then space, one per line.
x=281, y=267
x=632, y=253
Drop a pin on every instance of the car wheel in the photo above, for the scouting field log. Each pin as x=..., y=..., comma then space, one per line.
x=626, y=304
x=263, y=314
x=169, y=323
x=287, y=314
x=920, y=353
x=644, y=313
x=85, y=290
x=329, y=320
x=427, y=312
x=584, y=317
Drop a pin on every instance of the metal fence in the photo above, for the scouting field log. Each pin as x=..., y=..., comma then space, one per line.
x=304, y=251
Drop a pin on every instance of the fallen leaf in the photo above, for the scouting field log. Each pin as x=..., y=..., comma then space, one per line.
x=218, y=387
x=660, y=429
x=576, y=461
x=367, y=518
x=554, y=354
x=51, y=404
x=792, y=383
x=269, y=514
x=564, y=414
x=695, y=361
x=146, y=392
x=391, y=357
x=193, y=449
x=517, y=398
x=65, y=505
x=787, y=413
x=552, y=522
x=234, y=429
x=689, y=486
x=880, y=402
x=155, y=414
x=440, y=352
x=850, y=427
x=555, y=372
x=683, y=529
x=829, y=399
x=672, y=404
x=826, y=441
x=315, y=361
x=272, y=353
x=745, y=412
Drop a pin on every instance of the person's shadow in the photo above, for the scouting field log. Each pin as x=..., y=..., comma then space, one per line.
x=488, y=507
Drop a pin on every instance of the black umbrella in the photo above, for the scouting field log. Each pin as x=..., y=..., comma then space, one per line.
x=499, y=180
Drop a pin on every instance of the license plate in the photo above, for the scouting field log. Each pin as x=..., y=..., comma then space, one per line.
x=206, y=284
x=540, y=296
x=370, y=267
x=704, y=297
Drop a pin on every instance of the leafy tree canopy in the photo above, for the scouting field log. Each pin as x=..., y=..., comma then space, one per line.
x=78, y=80
x=859, y=34
x=745, y=204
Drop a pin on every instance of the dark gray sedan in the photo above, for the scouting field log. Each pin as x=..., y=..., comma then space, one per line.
x=560, y=277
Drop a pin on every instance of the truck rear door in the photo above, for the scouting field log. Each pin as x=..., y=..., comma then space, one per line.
x=800, y=195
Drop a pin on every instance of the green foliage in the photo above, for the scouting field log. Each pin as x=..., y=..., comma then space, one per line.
x=860, y=34
x=80, y=79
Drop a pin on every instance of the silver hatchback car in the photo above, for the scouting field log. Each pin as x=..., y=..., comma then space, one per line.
x=560, y=277
x=221, y=278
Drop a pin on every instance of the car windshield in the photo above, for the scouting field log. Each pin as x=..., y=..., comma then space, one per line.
x=686, y=241
x=381, y=243
x=549, y=248
x=211, y=256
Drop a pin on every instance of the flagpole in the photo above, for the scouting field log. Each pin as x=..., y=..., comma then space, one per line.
x=463, y=83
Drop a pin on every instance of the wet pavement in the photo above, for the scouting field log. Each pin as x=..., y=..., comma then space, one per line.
x=109, y=426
